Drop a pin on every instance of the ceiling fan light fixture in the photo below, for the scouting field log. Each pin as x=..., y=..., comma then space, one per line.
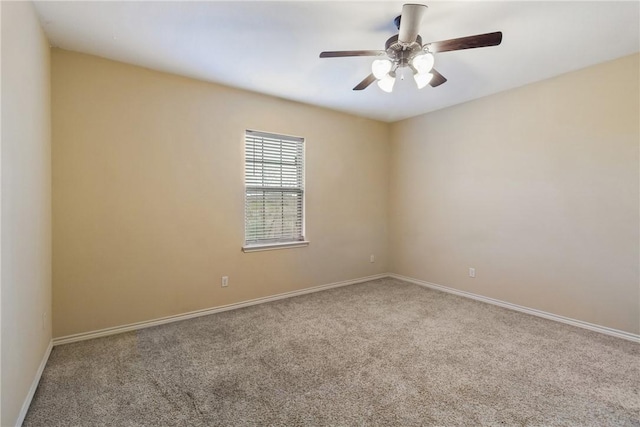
x=422, y=79
x=423, y=63
x=381, y=67
x=386, y=83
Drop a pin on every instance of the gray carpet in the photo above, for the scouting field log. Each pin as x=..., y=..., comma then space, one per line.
x=384, y=352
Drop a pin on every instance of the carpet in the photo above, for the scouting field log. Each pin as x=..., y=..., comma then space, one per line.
x=385, y=352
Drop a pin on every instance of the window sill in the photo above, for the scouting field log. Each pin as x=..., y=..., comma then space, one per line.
x=274, y=246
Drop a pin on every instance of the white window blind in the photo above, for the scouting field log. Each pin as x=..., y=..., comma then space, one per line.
x=274, y=188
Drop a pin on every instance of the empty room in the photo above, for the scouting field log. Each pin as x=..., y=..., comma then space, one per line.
x=320, y=213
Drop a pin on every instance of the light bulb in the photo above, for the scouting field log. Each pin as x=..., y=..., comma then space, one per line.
x=422, y=79
x=380, y=67
x=386, y=83
x=423, y=63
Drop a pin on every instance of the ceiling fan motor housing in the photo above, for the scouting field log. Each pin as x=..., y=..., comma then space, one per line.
x=400, y=53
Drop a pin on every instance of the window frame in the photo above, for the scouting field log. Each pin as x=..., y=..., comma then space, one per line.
x=273, y=245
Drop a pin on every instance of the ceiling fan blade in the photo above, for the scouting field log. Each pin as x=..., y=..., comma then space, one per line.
x=437, y=78
x=343, y=53
x=366, y=82
x=470, y=42
x=410, y=21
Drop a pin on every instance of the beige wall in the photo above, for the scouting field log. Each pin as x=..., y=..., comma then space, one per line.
x=536, y=187
x=148, y=195
x=26, y=204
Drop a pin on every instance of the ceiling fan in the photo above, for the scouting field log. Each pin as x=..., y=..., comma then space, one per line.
x=405, y=49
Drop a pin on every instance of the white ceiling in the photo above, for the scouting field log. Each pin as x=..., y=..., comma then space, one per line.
x=272, y=47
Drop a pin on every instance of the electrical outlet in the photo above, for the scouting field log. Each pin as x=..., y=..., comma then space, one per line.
x=472, y=272
x=225, y=281
x=44, y=320
x=372, y=258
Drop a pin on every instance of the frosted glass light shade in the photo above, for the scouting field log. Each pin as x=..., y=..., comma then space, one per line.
x=423, y=63
x=386, y=83
x=422, y=79
x=380, y=68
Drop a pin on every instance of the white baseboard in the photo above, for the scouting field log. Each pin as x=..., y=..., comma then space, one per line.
x=579, y=323
x=34, y=386
x=178, y=317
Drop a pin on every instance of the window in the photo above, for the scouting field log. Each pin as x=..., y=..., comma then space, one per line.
x=274, y=191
